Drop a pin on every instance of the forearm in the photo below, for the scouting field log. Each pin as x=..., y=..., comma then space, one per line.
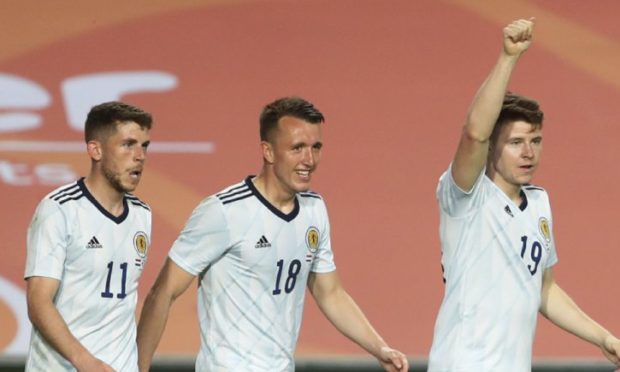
x=151, y=327
x=348, y=318
x=560, y=309
x=49, y=323
x=487, y=103
x=171, y=282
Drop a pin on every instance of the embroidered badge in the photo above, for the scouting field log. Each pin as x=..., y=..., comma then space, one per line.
x=545, y=230
x=312, y=239
x=141, y=243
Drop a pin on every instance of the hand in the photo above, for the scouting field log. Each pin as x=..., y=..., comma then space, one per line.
x=611, y=349
x=393, y=360
x=92, y=364
x=518, y=36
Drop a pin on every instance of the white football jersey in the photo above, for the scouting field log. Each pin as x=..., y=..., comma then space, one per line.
x=253, y=261
x=494, y=254
x=98, y=259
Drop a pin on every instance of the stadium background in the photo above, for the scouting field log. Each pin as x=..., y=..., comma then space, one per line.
x=394, y=79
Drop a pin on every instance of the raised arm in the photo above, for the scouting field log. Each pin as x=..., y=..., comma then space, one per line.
x=171, y=282
x=47, y=320
x=471, y=154
x=560, y=309
x=348, y=318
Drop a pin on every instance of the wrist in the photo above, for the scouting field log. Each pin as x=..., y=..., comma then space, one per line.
x=79, y=358
x=509, y=59
x=382, y=350
x=607, y=340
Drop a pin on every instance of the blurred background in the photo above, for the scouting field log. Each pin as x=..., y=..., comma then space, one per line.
x=394, y=80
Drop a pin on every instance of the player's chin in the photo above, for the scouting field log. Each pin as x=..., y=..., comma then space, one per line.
x=301, y=186
x=131, y=185
x=524, y=180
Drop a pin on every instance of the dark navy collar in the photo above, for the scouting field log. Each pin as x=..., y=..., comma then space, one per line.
x=286, y=217
x=104, y=211
x=523, y=204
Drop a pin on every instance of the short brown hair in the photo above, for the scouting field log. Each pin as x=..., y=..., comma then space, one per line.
x=296, y=107
x=518, y=108
x=102, y=119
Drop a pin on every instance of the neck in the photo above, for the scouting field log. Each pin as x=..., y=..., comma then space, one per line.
x=269, y=187
x=513, y=191
x=109, y=198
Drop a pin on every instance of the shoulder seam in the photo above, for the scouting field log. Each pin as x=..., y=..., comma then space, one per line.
x=234, y=194
x=136, y=201
x=73, y=192
x=532, y=187
x=231, y=189
x=310, y=194
x=231, y=200
x=65, y=198
x=64, y=190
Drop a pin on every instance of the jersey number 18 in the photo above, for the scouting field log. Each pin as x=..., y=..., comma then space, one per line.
x=289, y=284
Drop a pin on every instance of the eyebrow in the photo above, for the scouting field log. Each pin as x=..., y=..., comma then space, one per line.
x=303, y=143
x=524, y=135
x=132, y=140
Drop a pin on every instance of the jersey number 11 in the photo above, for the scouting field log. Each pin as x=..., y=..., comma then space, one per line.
x=107, y=293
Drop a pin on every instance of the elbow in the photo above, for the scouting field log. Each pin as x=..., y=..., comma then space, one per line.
x=545, y=302
x=543, y=310
x=32, y=315
x=158, y=296
x=326, y=297
x=472, y=134
x=154, y=296
x=35, y=309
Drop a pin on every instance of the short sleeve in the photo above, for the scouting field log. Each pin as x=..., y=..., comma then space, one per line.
x=324, y=258
x=456, y=202
x=204, y=238
x=553, y=255
x=47, y=240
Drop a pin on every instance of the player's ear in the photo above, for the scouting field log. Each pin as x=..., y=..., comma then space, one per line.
x=267, y=150
x=93, y=147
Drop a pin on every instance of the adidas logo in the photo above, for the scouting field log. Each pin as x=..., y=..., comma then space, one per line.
x=93, y=243
x=507, y=210
x=262, y=243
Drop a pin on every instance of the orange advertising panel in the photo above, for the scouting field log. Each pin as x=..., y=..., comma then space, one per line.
x=394, y=79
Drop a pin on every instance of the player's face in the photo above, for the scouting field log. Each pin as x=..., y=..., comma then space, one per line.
x=296, y=152
x=123, y=156
x=516, y=154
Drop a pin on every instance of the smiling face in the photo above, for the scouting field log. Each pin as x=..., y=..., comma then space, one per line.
x=514, y=155
x=293, y=154
x=122, y=156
